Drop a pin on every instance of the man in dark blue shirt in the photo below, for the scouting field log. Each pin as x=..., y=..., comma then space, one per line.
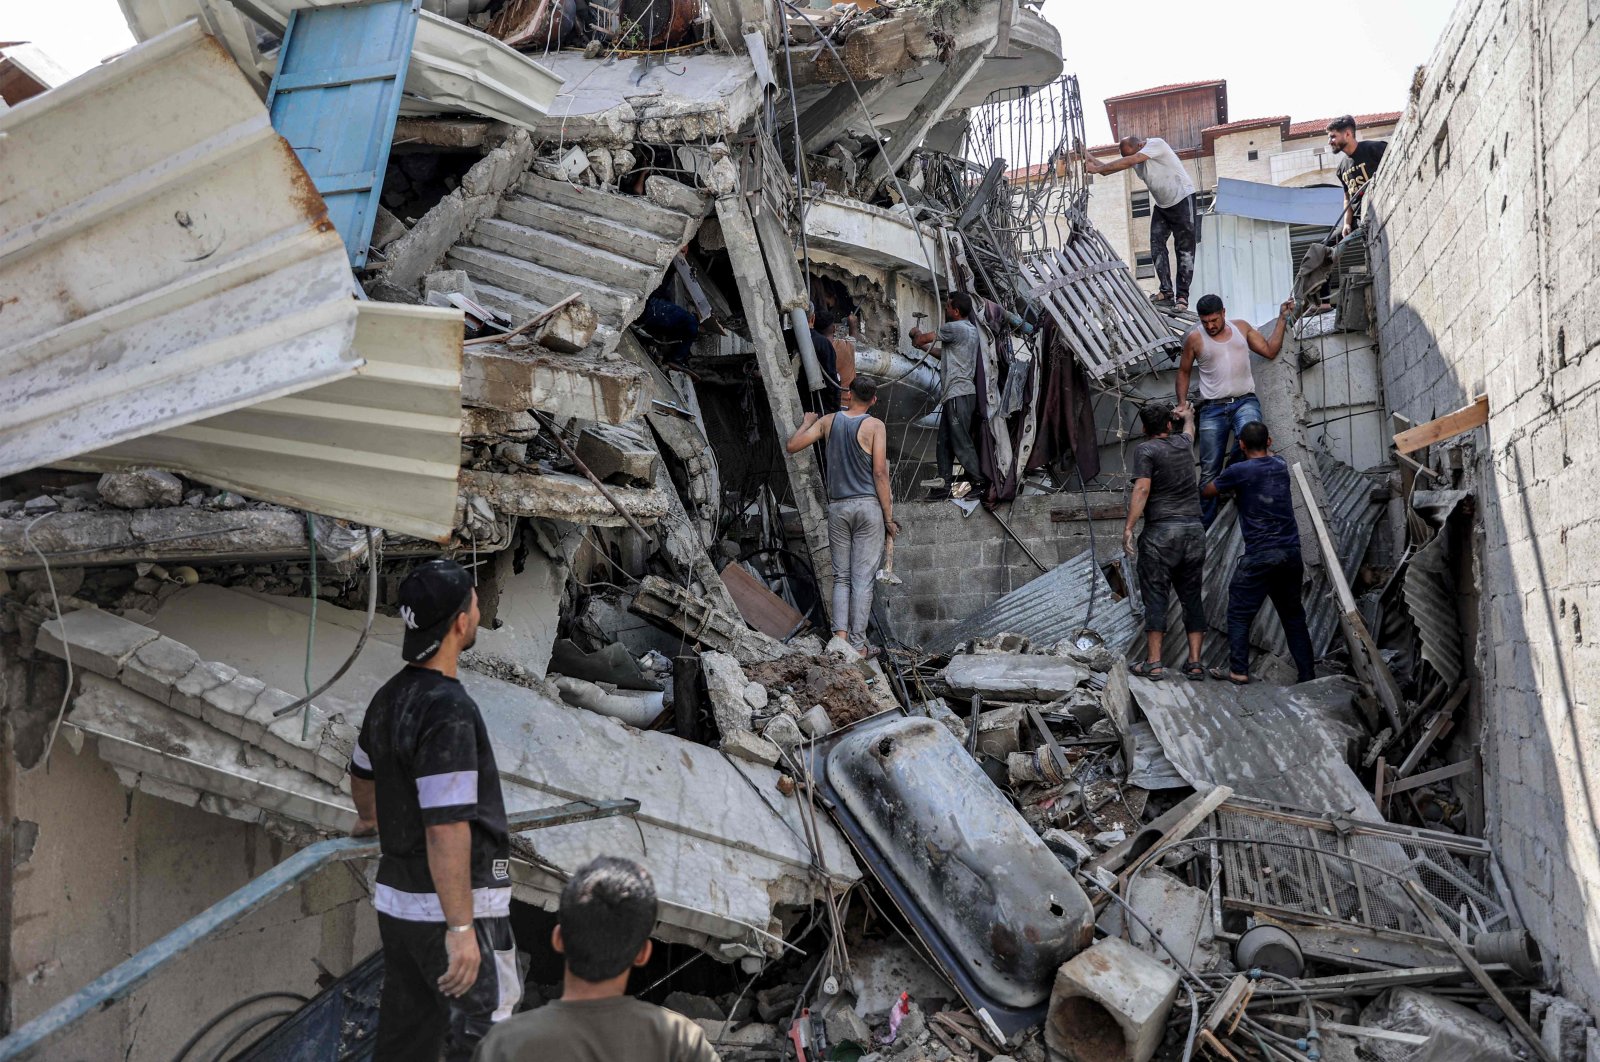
x=1271, y=564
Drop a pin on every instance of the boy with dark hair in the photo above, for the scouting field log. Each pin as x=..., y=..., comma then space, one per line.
x=603, y=930
x=959, y=348
x=1271, y=564
x=1359, y=165
x=1172, y=549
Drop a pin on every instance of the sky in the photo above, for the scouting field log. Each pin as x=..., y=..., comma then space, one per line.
x=1349, y=57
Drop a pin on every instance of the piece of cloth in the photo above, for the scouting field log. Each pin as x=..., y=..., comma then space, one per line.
x=424, y=745
x=1181, y=221
x=1223, y=364
x=1168, y=463
x=416, y=1021
x=1163, y=174
x=1066, y=421
x=1275, y=574
x=955, y=438
x=1359, y=167
x=670, y=325
x=1260, y=490
x=621, y=1029
x=849, y=466
x=958, y=359
x=1172, y=553
x=855, y=541
x=1215, y=424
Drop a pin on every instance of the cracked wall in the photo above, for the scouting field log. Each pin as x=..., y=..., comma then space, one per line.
x=1484, y=225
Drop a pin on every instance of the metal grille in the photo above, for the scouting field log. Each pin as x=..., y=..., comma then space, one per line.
x=1328, y=887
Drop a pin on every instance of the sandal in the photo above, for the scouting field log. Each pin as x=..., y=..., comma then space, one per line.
x=1149, y=669
x=1182, y=305
x=1194, y=671
x=1162, y=298
x=1222, y=674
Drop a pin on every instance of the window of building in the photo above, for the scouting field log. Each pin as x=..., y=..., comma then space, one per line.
x=1140, y=201
x=1252, y=155
x=1144, y=266
x=1203, y=201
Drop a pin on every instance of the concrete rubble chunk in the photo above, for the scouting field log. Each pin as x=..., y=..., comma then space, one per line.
x=692, y=1006
x=675, y=195
x=156, y=667
x=386, y=228
x=188, y=693
x=559, y=496
x=725, y=685
x=141, y=488
x=449, y=282
x=569, y=329
x=617, y=454
x=815, y=722
x=745, y=745
x=784, y=732
x=1110, y=1004
x=688, y=613
x=1026, y=677
x=563, y=385
x=843, y=1023
x=98, y=641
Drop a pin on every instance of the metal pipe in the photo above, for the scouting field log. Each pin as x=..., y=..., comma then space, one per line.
x=816, y=380
x=885, y=365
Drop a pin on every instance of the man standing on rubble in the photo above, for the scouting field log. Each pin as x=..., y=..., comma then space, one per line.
x=1222, y=348
x=423, y=777
x=1173, y=208
x=1172, y=547
x=959, y=348
x=860, y=509
x=1271, y=564
x=1359, y=166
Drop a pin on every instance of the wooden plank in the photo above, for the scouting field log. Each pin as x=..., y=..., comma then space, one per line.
x=760, y=607
x=1381, y=776
x=1436, y=727
x=1436, y=775
x=1448, y=426
x=1297, y=1021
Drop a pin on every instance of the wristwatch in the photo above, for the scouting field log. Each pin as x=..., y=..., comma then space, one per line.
x=458, y=929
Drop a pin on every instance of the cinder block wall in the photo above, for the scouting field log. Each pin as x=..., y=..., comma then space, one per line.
x=954, y=565
x=1486, y=282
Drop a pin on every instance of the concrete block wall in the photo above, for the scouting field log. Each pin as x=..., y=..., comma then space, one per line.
x=954, y=565
x=1483, y=232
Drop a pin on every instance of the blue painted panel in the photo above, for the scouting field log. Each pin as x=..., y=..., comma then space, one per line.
x=335, y=98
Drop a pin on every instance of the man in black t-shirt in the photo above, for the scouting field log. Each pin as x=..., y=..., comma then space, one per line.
x=1172, y=548
x=1358, y=166
x=423, y=777
x=1271, y=564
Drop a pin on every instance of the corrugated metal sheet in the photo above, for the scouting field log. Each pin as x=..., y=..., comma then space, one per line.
x=382, y=448
x=1053, y=607
x=1430, y=589
x=335, y=98
x=1245, y=262
x=1271, y=202
x=241, y=293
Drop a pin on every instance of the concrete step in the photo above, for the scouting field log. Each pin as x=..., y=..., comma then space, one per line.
x=606, y=234
x=521, y=308
x=630, y=210
x=558, y=252
x=548, y=286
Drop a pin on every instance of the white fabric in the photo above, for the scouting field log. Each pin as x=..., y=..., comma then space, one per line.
x=358, y=756
x=510, y=984
x=1225, y=364
x=1164, y=174
x=447, y=790
x=424, y=906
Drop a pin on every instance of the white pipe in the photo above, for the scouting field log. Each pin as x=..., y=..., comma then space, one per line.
x=884, y=366
x=637, y=708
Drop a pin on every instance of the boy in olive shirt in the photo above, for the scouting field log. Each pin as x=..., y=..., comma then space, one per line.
x=603, y=929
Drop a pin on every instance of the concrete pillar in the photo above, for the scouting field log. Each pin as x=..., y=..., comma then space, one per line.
x=1110, y=1004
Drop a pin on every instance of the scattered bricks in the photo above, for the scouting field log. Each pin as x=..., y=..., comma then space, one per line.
x=188, y=693
x=142, y=488
x=99, y=641
x=747, y=746
x=156, y=667
x=617, y=455
x=1109, y=1004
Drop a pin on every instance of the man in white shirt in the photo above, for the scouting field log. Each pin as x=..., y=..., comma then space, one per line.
x=1172, y=208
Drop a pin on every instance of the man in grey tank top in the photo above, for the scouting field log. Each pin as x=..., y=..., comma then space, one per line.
x=860, y=509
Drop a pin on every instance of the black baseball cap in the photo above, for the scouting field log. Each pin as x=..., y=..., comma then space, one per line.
x=431, y=597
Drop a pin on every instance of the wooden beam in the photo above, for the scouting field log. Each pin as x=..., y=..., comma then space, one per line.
x=1431, y=733
x=1448, y=426
x=1429, y=777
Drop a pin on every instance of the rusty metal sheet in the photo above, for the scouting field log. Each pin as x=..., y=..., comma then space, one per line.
x=760, y=607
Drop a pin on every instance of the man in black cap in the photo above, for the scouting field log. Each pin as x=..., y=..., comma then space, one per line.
x=424, y=779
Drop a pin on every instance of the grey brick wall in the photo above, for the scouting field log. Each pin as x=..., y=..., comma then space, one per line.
x=1485, y=283
x=954, y=565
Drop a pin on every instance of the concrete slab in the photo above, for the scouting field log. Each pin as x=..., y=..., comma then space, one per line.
x=98, y=641
x=708, y=97
x=1022, y=675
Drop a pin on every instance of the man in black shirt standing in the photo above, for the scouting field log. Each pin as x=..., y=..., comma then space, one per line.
x=423, y=777
x=1172, y=549
x=1359, y=165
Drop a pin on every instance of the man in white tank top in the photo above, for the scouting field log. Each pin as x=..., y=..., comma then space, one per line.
x=1221, y=349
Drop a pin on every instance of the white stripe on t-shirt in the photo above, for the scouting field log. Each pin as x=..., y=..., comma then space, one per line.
x=424, y=906
x=447, y=790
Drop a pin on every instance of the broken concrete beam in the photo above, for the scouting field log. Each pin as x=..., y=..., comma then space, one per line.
x=1024, y=676
x=1110, y=1004
x=479, y=423
x=678, y=609
x=166, y=536
x=569, y=329
x=560, y=496
x=676, y=196
x=871, y=51
x=141, y=488
x=588, y=388
x=97, y=641
x=617, y=454
x=457, y=134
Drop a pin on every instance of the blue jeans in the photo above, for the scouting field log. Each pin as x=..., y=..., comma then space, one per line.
x=1275, y=574
x=1214, y=423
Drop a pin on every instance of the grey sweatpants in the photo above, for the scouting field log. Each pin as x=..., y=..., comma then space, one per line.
x=855, y=538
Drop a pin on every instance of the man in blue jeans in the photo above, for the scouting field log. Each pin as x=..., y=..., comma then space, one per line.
x=1271, y=564
x=1221, y=349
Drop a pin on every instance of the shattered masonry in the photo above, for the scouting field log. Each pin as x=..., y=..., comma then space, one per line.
x=587, y=256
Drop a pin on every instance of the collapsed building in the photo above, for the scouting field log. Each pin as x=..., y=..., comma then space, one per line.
x=293, y=297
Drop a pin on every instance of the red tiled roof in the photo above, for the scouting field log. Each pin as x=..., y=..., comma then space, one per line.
x=1243, y=124
x=1025, y=172
x=1166, y=88
x=1320, y=125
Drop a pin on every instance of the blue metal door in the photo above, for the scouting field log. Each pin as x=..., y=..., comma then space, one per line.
x=335, y=98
